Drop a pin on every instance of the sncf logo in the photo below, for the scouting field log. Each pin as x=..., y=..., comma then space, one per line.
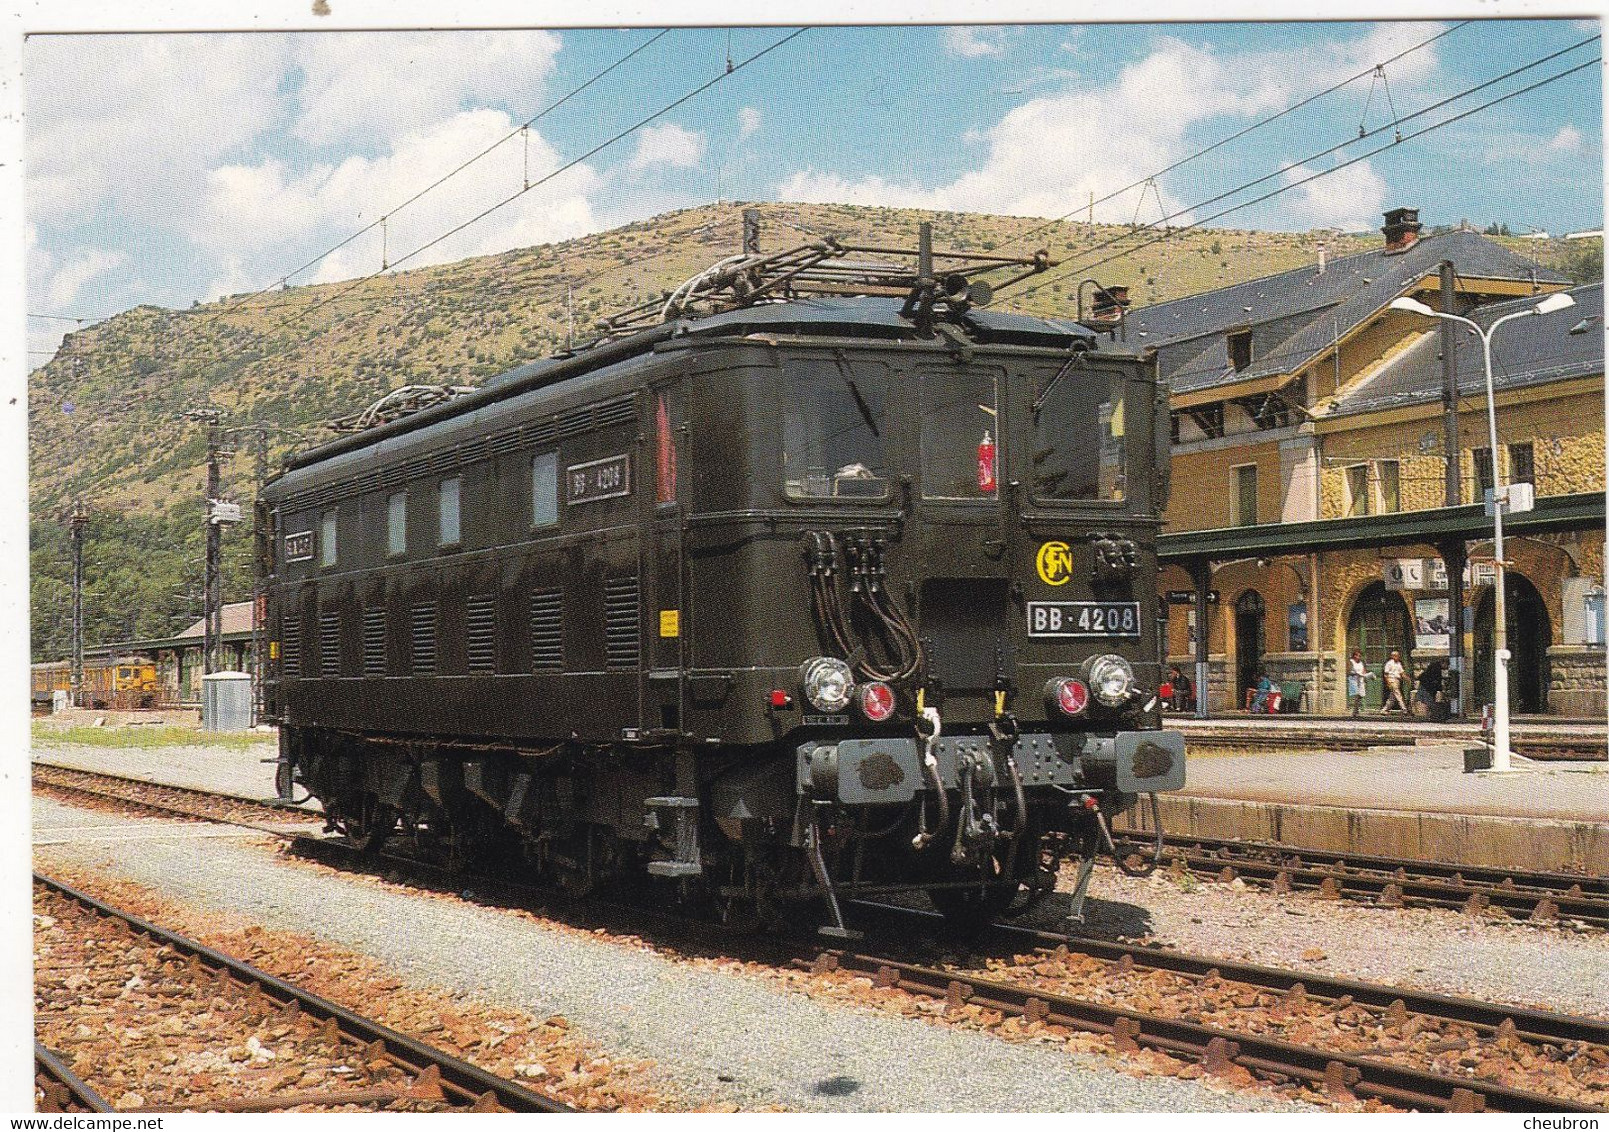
x=1054, y=563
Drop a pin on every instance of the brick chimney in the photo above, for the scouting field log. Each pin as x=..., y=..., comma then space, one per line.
x=1401, y=229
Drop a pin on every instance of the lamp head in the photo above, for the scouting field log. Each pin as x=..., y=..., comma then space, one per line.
x=1412, y=306
x=1558, y=301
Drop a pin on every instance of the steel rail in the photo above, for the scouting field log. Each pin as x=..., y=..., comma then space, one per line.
x=1337, y=1073
x=1528, y=1023
x=1540, y=896
x=168, y=808
x=411, y=1054
x=62, y=1087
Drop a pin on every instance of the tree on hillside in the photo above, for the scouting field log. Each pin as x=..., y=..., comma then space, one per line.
x=1583, y=263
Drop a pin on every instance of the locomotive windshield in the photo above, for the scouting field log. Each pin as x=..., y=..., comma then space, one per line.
x=1079, y=439
x=960, y=434
x=834, y=429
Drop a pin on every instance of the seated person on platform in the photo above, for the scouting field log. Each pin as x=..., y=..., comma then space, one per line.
x=1260, y=697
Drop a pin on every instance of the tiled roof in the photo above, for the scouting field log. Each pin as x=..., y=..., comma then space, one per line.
x=236, y=618
x=1525, y=352
x=1297, y=314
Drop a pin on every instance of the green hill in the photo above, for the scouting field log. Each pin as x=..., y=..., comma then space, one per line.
x=106, y=414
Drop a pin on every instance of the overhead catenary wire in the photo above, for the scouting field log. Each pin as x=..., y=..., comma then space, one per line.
x=522, y=129
x=1238, y=134
x=1083, y=266
x=568, y=165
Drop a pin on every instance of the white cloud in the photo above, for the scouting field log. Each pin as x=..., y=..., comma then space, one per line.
x=1047, y=155
x=128, y=124
x=365, y=86
x=668, y=144
x=1567, y=140
x=1349, y=199
x=67, y=281
x=261, y=216
x=974, y=42
x=748, y=123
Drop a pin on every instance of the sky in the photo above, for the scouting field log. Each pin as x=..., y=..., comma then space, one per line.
x=169, y=168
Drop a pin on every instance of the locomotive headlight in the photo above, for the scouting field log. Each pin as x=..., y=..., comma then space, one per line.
x=1111, y=679
x=828, y=684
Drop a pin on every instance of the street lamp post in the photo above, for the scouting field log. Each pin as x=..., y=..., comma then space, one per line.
x=1554, y=302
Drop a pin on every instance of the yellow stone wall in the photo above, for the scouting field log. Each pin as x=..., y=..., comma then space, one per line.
x=1203, y=485
x=1566, y=433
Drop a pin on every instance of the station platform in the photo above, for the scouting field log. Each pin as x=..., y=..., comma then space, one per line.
x=1536, y=736
x=1394, y=799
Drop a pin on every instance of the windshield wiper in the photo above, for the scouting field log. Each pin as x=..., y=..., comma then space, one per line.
x=854, y=391
x=1074, y=359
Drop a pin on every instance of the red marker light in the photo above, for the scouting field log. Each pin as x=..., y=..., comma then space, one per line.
x=876, y=701
x=1070, y=696
x=986, y=464
x=780, y=699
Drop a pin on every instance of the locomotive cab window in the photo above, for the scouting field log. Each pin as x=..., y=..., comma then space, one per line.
x=447, y=512
x=960, y=434
x=834, y=430
x=1079, y=438
x=326, y=545
x=545, y=489
x=397, y=523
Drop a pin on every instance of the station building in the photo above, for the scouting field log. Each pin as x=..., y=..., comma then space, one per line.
x=1310, y=512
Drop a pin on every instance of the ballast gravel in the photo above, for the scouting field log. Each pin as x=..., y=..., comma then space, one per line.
x=1431, y=949
x=715, y=1034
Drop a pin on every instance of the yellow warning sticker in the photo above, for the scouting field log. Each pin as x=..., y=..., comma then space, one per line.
x=670, y=622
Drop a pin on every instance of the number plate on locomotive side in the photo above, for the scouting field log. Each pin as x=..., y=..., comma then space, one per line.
x=1083, y=619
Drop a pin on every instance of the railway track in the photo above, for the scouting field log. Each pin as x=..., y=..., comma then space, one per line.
x=58, y=1089
x=175, y=801
x=1404, y=1024
x=1537, y=897
x=396, y=1067
x=1411, y=1024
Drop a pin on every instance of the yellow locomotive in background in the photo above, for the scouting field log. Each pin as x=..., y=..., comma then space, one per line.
x=109, y=682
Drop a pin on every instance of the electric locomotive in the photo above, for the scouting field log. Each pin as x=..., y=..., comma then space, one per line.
x=816, y=578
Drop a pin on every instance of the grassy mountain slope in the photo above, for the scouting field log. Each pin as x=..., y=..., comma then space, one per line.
x=107, y=412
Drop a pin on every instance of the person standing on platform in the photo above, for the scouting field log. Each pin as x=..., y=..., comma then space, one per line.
x=1429, y=692
x=1394, y=673
x=1357, y=681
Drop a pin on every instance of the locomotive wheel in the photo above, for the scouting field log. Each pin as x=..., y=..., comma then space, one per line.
x=371, y=825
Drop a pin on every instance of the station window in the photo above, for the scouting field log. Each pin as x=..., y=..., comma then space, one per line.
x=1482, y=459
x=326, y=544
x=1239, y=343
x=960, y=423
x=1243, y=503
x=447, y=512
x=397, y=523
x=834, y=429
x=1079, y=437
x=545, y=489
x=1357, y=490
x=1390, y=487
x=1522, y=463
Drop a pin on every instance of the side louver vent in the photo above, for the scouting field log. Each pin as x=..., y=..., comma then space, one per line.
x=329, y=644
x=480, y=633
x=290, y=648
x=374, y=642
x=621, y=622
x=547, y=631
x=424, y=639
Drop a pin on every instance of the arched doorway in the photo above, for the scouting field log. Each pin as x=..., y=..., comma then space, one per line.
x=1249, y=618
x=1530, y=632
x=1378, y=624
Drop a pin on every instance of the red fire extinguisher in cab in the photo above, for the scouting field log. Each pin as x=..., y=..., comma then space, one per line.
x=986, y=464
